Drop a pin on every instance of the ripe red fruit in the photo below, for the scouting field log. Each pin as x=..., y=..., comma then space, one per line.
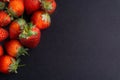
x=8, y=64
x=16, y=27
x=32, y=6
x=41, y=19
x=1, y=50
x=16, y=7
x=30, y=37
x=4, y=19
x=49, y=5
x=3, y=34
x=14, y=48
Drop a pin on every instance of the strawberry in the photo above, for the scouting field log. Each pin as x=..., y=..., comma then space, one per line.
x=1, y=50
x=41, y=19
x=30, y=37
x=8, y=64
x=3, y=34
x=16, y=7
x=4, y=19
x=32, y=6
x=14, y=48
x=16, y=27
x=48, y=5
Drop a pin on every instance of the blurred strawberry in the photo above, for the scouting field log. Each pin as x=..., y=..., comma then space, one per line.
x=8, y=64
x=49, y=5
x=3, y=34
x=30, y=37
x=15, y=49
x=1, y=50
x=41, y=19
x=4, y=19
x=32, y=6
x=16, y=27
x=16, y=7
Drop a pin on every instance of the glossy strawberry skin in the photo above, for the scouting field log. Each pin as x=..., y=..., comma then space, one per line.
x=32, y=6
x=4, y=19
x=41, y=19
x=3, y=34
x=12, y=47
x=14, y=30
x=5, y=62
x=16, y=7
x=33, y=40
x=1, y=50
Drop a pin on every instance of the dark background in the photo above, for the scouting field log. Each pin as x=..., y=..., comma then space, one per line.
x=83, y=43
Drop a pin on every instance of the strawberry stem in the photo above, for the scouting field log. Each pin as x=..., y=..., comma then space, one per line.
x=27, y=31
x=21, y=22
x=2, y=5
x=22, y=51
x=46, y=5
x=14, y=65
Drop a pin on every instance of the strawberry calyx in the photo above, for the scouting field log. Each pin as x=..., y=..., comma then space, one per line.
x=27, y=31
x=46, y=17
x=2, y=5
x=22, y=51
x=46, y=5
x=21, y=22
x=12, y=13
x=14, y=65
x=8, y=12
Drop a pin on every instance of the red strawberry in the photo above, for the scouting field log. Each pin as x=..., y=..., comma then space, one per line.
x=14, y=48
x=16, y=27
x=3, y=34
x=32, y=6
x=8, y=64
x=16, y=7
x=1, y=50
x=4, y=19
x=30, y=37
x=49, y=5
x=41, y=19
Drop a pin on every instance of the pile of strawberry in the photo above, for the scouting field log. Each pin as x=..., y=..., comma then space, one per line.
x=20, y=24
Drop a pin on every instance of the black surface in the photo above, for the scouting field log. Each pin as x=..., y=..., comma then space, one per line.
x=83, y=43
